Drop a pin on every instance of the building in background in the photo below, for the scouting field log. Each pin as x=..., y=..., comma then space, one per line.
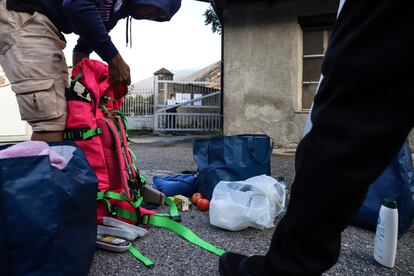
x=271, y=62
x=272, y=54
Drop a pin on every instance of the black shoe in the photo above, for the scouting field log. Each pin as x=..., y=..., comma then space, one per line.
x=233, y=264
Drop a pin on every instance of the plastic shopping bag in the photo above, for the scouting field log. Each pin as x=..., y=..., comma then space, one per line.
x=254, y=202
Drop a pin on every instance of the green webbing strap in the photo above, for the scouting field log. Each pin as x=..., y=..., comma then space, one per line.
x=91, y=132
x=115, y=210
x=103, y=101
x=134, y=160
x=137, y=202
x=122, y=117
x=112, y=195
x=183, y=232
x=115, y=123
x=103, y=107
x=173, y=208
x=147, y=262
x=134, y=157
x=77, y=134
x=75, y=79
x=118, y=127
x=118, y=212
x=100, y=196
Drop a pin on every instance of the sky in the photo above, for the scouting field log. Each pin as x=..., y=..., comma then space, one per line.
x=182, y=43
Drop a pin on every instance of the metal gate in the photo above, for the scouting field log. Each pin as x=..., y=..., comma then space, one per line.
x=186, y=106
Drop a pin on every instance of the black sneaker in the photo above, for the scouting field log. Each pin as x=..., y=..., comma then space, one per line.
x=233, y=264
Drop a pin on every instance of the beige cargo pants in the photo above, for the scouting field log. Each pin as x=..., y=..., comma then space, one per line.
x=32, y=58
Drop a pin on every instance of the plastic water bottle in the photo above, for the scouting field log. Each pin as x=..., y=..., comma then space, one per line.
x=385, y=247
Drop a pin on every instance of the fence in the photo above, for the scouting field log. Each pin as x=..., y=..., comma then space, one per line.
x=186, y=91
x=187, y=106
x=187, y=122
x=136, y=105
x=175, y=106
x=144, y=92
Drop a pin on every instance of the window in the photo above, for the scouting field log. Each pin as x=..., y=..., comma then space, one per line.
x=200, y=102
x=316, y=32
x=182, y=97
x=315, y=43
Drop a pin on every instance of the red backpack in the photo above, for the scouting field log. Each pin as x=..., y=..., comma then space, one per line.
x=97, y=126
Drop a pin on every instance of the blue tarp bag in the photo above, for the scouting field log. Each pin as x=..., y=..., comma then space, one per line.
x=47, y=215
x=395, y=183
x=231, y=158
x=181, y=184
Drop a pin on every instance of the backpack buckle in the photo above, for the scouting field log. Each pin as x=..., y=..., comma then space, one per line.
x=176, y=218
x=143, y=219
x=114, y=210
x=80, y=134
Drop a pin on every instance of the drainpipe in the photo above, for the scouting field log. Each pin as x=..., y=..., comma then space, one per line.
x=218, y=6
x=222, y=79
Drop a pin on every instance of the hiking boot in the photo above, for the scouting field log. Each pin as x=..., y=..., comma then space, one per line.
x=233, y=264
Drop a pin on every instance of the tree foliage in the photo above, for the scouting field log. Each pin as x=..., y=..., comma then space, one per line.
x=211, y=18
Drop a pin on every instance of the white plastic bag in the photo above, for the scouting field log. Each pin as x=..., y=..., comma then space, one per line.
x=254, y=202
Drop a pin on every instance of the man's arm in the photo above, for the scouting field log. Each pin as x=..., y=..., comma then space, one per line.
x=77, y=57
x=81, y=50
x=86, y=21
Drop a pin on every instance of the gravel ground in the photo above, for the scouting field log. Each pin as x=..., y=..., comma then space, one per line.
x=174, y=256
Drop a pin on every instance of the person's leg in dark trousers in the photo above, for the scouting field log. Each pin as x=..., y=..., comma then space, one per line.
x=362, y=114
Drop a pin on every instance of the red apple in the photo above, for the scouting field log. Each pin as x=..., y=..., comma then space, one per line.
x=203, y=204
x=196, y=197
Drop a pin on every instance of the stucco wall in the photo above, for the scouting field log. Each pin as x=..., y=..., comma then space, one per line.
x=262, y=68
x=411, y=138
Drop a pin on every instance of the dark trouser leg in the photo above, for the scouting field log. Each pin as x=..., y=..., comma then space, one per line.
x=362, y=114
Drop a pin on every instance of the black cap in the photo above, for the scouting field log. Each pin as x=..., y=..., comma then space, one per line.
x=390, y=203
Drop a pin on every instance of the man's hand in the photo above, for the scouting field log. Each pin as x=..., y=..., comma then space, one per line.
x=77, y=57
x=119, y=70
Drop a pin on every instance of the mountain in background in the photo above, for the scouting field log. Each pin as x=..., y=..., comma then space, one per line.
x=178, y=75
x=211, y=73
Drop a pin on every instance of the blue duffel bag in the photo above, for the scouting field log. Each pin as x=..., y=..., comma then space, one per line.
x=180, y=184
x=47, y=215
x=395, y=183
x=231, y=158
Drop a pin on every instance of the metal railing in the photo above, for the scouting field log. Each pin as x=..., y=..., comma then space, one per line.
x=136, y=105
x=144, y=92
x=194, y=107
x=187, y=122
x=185, y=91
x=190, y=103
